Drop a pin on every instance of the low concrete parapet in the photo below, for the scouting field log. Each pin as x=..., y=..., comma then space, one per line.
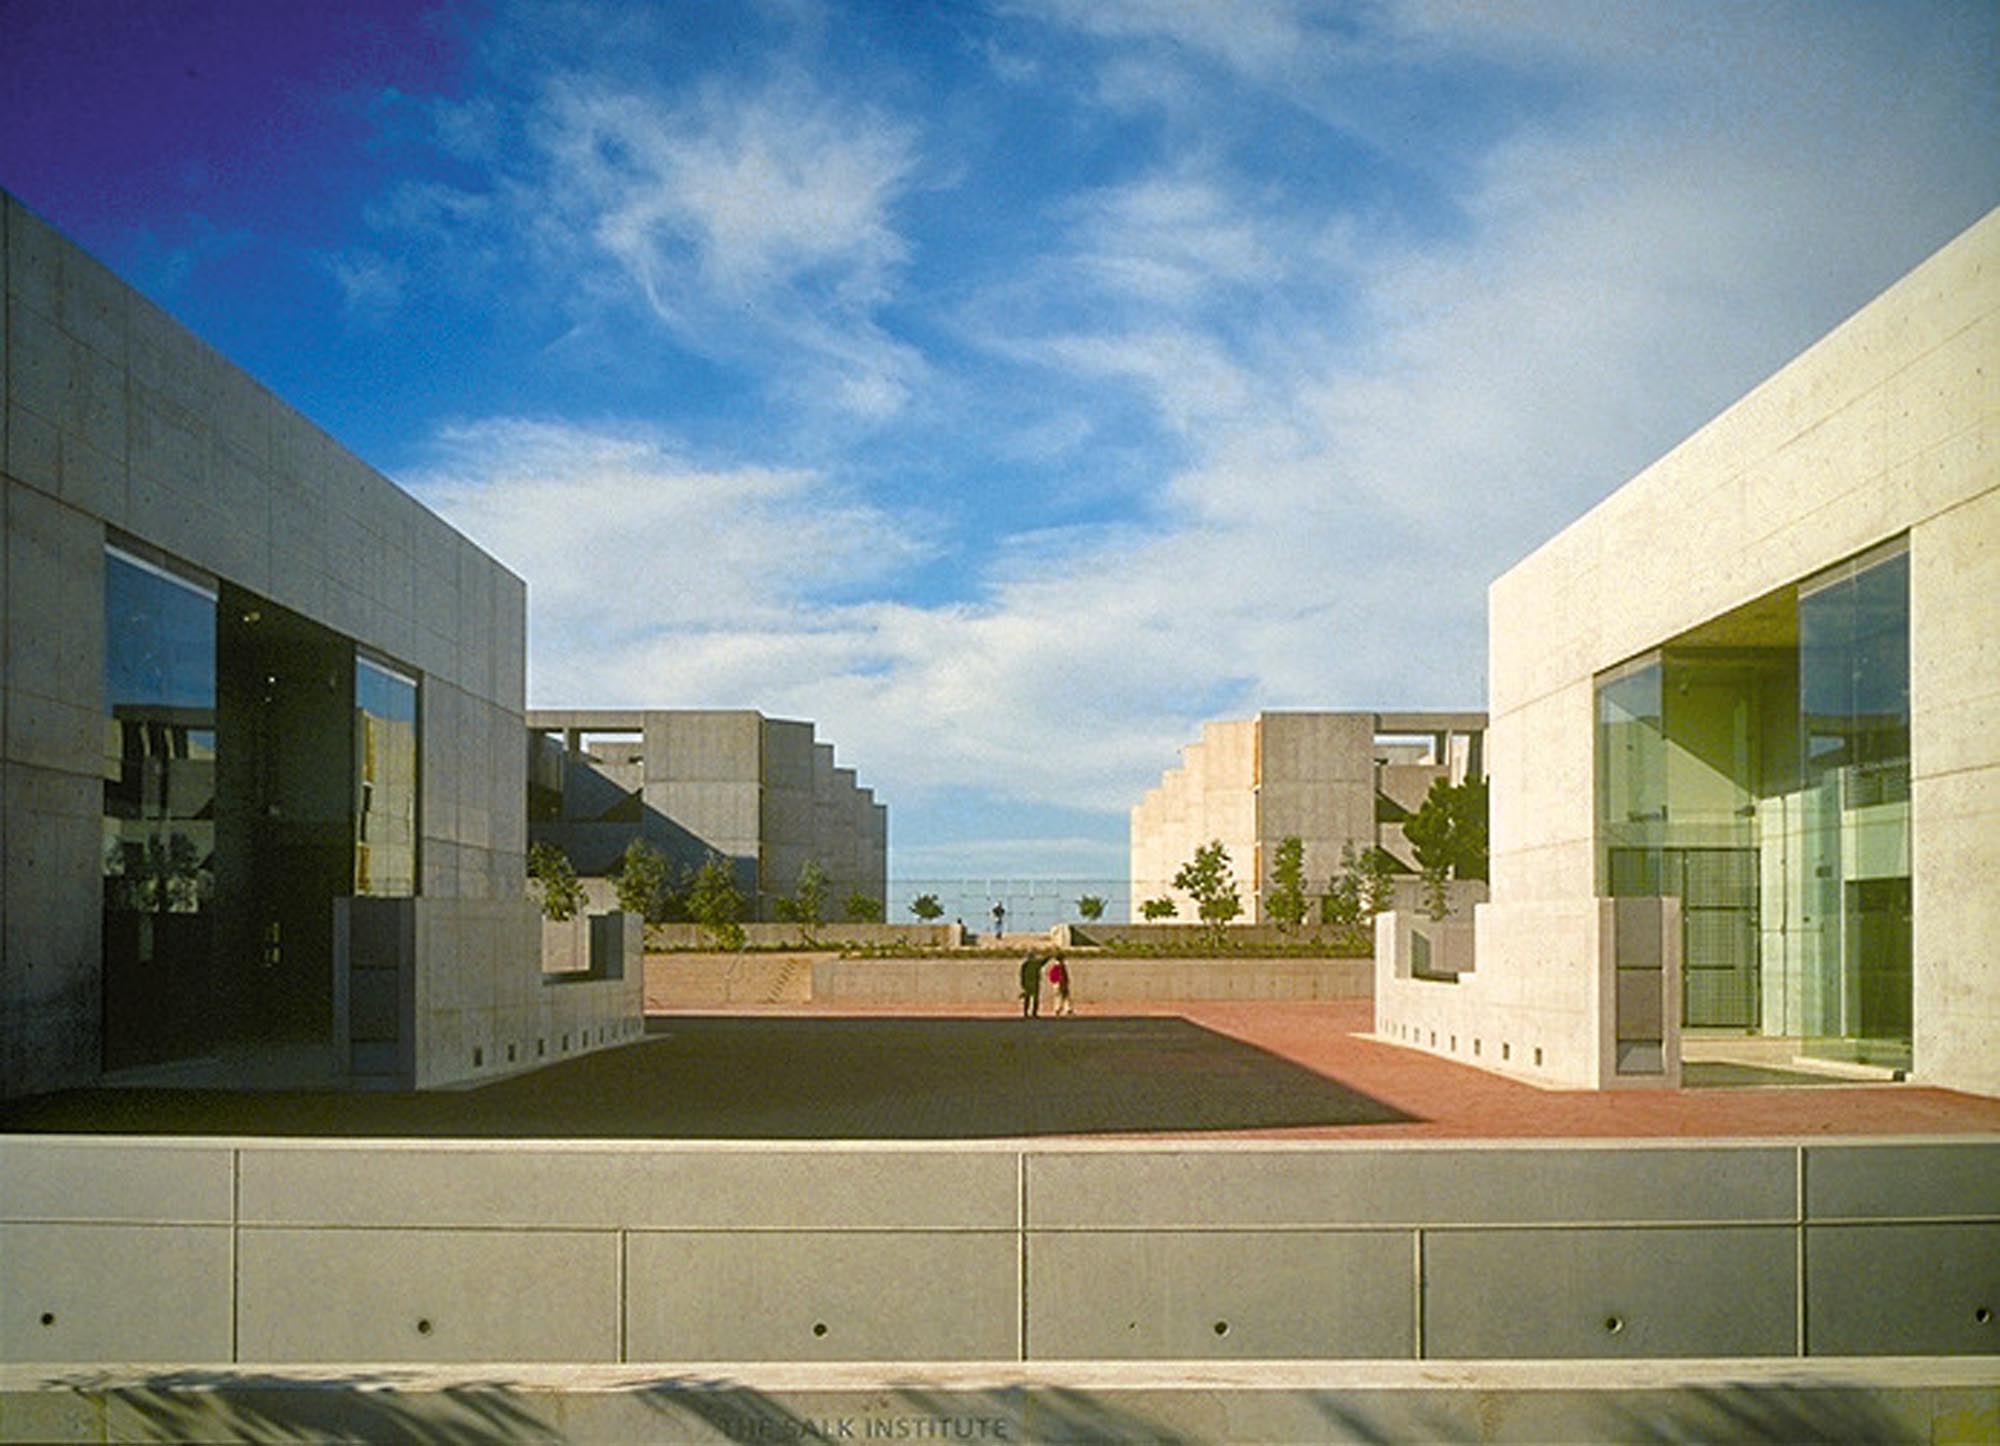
x=715, y=981
x=829, y=934
x=288, y=1252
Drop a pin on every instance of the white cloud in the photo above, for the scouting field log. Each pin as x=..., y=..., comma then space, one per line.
x=370, y=284
x=751, y=223
x=624, y=540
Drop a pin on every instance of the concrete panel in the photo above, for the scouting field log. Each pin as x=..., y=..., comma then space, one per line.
x=427, y=1295
x=1560, y=1294
x=63, y=1180
x=1874, y=1182
x=822, y=1296
x=1366, y=1187
x=1903, y=1290
x=1232, y=1294
x=630, y=1186
x=114, y=1293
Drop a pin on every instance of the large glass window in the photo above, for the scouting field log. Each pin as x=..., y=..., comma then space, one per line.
x=385, y=779
x=1757, y=768
x=159, y=808
x=257, y=766
x=1854, y=715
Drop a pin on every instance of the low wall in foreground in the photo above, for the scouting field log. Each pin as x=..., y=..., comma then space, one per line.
x=160, y=1251
x=722, y=981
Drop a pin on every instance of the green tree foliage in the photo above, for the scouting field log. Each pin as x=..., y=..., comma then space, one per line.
x=1286, y=903
x=1378, y=878
x=562, y=891
x=863, y=908
x=714, y=902
x=1160, y=908
x=1340, y=905
x=642, y=881
x=927, y=908
x=1449, y=837
x=1090, y=907
x=1359, y=890
x=808, y=898
x=1205, y=878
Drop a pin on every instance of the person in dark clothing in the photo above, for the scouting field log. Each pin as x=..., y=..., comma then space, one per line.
x=1031, y=985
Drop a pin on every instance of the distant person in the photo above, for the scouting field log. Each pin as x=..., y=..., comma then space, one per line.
x=999, y=919
x=1059, y=976
x=1031, y=984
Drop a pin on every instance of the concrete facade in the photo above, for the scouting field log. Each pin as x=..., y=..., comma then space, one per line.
x=121, y=430
x=1336, y=780
x=1876, y=446
x=1616, y=1250
x=765, y=793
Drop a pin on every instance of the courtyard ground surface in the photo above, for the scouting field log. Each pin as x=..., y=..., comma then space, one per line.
x=1278, y=1071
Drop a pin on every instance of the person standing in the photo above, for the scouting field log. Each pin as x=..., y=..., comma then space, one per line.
x=1059, y=976
x=1031, y=985
x=999, y=920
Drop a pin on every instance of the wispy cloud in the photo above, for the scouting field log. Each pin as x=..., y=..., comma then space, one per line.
x=747, y=221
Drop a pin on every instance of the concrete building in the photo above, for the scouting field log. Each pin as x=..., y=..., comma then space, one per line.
x=260, y=711
x=1746, y=732
x=762, y=792
x=1336, y=780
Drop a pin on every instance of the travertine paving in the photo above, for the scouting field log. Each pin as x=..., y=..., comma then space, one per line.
x=1263, y=1071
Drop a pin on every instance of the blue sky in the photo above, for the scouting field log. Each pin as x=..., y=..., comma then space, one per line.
x=1006, y=386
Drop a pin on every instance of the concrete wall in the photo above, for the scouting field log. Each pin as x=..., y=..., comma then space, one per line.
x=115, y=416
x=1887, y=425
x=763, y=792
x=1616, y=1027
x=718, y=981
x=285, y=1252
x=1253, y=782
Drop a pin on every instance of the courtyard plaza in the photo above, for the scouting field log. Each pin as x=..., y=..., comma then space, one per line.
x=1200, y=1069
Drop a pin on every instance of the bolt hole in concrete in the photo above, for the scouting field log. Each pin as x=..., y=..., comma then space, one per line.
x=819, y=1327
x=423, y=1327
x=48, y=1317
x=1222, y=1327
x=1614, y=1324
x=1982, y=1315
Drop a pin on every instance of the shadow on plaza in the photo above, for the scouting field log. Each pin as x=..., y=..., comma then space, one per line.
x=379, y=1407
x=738, y=1077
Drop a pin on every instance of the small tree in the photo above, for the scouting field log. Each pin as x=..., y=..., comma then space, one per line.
x=1160, y=908
x=1449, y=837
x=1360, y=890
x=927, y=908
x=1378, y=880
x=863, y=908
x=562, y=891
x=1287, y=900
x=1205, y=878
x=808, y=899
x=641, y=879
x=715, y=903
x=1090, y=907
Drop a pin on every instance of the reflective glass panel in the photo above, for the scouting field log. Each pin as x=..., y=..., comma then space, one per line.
x=385, y=779
x=159, y=810
x=1854, y=874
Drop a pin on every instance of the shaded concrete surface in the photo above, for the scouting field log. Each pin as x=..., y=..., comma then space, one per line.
x=765, y=1078
x=1261, y=1070
x=1888, y=1401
